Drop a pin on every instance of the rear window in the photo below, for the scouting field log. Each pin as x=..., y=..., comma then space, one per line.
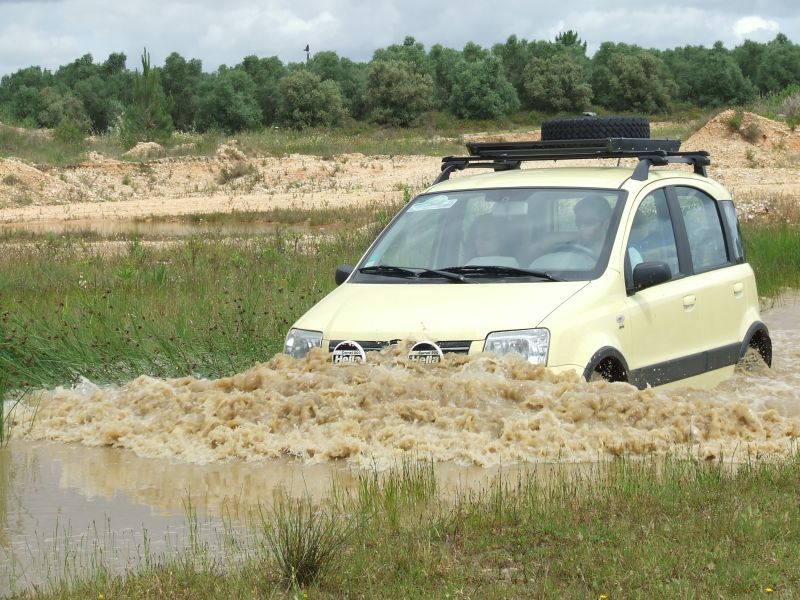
x=704, y=229
x=732, y=225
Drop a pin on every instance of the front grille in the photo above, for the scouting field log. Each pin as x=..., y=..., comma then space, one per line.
x=449, y=347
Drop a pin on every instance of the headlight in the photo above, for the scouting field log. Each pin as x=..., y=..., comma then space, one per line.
x=532, y=344
x=300, y=341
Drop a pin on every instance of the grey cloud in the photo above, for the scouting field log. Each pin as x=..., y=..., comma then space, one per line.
x=51, y=33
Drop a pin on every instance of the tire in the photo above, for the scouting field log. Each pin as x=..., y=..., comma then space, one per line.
x=590, y=128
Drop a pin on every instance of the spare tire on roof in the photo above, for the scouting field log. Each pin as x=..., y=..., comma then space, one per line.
x=590, y=128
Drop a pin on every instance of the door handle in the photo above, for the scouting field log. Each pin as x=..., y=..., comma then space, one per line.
x=738, y=289
x=689, y=301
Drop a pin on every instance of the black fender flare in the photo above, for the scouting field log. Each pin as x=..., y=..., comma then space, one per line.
x=602, y=354
x=764, y=345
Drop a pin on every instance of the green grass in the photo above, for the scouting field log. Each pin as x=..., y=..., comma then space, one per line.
x=772, y=243
x=34, y=147
x=774, y=253
x=652, y=528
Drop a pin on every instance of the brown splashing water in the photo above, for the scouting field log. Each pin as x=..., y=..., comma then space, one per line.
x=482, y=411
x=293, y=425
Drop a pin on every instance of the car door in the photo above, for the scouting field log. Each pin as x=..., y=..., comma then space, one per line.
x=718, y=280
x=662, y=318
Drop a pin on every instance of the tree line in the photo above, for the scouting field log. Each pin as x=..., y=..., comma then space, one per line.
x=401, y=83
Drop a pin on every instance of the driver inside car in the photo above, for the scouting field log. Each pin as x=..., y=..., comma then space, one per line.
x=580, y=248
x=592, y=216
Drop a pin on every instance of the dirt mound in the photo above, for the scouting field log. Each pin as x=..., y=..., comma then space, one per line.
x=746, y=140
x=534, y=135
x=230, y=152
x=24, y=185
x=145, y=150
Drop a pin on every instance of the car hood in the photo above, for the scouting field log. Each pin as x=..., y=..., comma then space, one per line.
x=366, y=311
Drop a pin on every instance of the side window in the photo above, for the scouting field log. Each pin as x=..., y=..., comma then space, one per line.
x=703, y=227
x=652, y=237
x=729, y=215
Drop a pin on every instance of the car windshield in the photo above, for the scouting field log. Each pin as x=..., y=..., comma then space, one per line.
x=523, y=233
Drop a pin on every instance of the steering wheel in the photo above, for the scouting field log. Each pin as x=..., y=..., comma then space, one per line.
x=574, y=248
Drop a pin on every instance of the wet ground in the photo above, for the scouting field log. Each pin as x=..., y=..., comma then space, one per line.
x=114, y=471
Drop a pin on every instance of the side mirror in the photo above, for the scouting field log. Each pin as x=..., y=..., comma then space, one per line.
x=648, y=274
x=342, y=273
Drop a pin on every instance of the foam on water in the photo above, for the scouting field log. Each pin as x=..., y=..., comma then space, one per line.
x=481, y=411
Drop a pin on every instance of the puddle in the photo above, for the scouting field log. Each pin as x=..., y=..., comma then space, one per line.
x=108, y=467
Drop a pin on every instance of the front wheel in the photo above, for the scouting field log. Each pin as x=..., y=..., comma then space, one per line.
x=608, y=369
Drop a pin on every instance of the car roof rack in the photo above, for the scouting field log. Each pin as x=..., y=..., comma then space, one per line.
x=503, y=156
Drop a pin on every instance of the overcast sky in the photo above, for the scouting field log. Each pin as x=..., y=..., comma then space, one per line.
x=51, y=33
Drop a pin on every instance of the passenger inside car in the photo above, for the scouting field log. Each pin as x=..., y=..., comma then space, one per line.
x=487, y=241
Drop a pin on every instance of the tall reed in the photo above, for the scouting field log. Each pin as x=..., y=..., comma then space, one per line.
x=207, y=306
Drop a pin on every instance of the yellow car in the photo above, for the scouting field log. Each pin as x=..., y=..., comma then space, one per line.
x=632, y=274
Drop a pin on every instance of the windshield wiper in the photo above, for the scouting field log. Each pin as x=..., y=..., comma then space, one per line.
x=392, y=271
x=388, y=270
x=503, y=270
x=447, y=274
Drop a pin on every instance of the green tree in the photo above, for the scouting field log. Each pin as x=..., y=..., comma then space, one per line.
x=266, y=73
x=514, y=55
x=181, y=80
x=100, y=102
x=708, y=77
x=410, y=51
x=350, y=76
x=779, y=65
x=25, y=105
x=570, y=39
x=304, y=100
x=629, y=78
x=443, y=64
x=227, y=102
x=556, y=84
x=397, y=93
x=78, y=70
x=147, y=117
x=480, y=89
x=104, y=89
x=748, y=56
x=57, y=108
x=19, y=94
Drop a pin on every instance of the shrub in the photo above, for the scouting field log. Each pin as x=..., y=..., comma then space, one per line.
x=68, y=133
x=481, y=90
x=304, y=540
x=397, y=94
x=735, y=121
x=556, y=84
x=752, y=132
x=791, y=110
x=305, y=100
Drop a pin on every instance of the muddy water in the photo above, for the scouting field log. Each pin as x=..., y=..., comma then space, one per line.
x=99, y=466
